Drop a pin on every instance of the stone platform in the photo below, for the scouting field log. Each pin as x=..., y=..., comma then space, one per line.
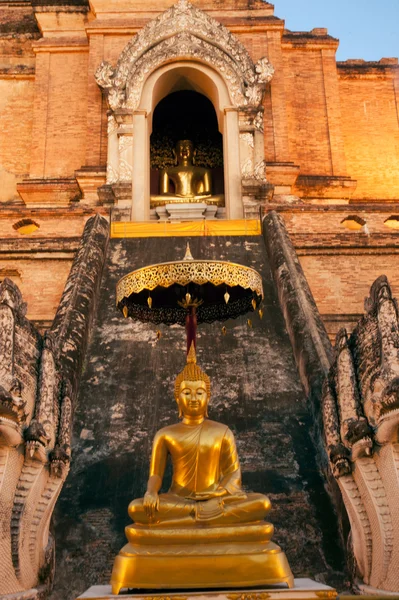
x=304, y=589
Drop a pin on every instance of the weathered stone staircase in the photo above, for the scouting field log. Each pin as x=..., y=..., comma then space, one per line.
x=126, y=394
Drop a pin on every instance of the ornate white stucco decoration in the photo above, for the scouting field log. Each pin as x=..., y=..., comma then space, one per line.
x=254, y=173
x=180, y=33
x=247, y=169
x=248, y=138
x=260, y=171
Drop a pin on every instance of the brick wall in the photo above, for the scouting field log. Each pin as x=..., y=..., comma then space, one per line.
x=16, y=104
x=41, y=283
x=50, y=227
x=371, y=135
x=340, y=283
x=306, y=111
x=66, y=114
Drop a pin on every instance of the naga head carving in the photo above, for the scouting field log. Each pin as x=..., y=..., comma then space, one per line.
x=380, y=291
x=12, y=415
x=339, y=457
x=12, y=297
x=60, y=459
x=37, y=439
x=360, y=437
x=387, y=413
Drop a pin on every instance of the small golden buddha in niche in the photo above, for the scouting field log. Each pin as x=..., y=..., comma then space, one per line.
x=191, y=183
x=205, y=531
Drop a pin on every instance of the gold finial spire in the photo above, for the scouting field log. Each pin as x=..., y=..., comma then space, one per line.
x=191, y=356
x=188, y=255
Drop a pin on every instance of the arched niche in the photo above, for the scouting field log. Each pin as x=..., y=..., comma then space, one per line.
x=186, y=114
x=200, y=78
x=184, y=47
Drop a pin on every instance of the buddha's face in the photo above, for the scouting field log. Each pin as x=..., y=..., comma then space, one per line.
x=193, y=398
x=184, y=150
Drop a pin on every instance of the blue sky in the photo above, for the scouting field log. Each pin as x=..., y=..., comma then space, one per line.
x=366, y=28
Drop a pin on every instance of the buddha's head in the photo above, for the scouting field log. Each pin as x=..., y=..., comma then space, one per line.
x=184, y=151
x=192, y=389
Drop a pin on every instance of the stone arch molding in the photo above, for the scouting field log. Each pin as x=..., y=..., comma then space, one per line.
x=180, y=33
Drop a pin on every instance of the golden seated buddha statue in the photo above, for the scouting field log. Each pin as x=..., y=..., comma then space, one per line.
x=205, y=532
x=191, y=183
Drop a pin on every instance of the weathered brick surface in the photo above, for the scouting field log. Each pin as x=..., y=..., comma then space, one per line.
x=41, y=282
x=40, y=109
x=306, y=111
x=52, y=224
x=66, y=114
x=279, y=104
x=16, y=105
x=318, y=222
x=331, y=279
x=95, y=106
x=339, y=264
x=370, y=129
x=328, y=123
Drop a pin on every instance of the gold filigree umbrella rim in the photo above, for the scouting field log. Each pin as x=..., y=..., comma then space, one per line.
x=239, y=275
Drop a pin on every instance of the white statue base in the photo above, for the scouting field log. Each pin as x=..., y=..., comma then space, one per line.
x=186, y=211
x=304, y=589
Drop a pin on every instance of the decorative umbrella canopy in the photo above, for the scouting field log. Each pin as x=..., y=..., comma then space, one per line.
x=188, y=292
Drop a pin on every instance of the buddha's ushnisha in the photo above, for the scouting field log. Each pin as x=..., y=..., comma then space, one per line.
x=206, y=483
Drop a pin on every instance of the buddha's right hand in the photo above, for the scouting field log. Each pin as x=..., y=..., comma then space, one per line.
x=151, y=503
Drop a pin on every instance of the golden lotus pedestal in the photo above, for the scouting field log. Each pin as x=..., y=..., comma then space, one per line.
x=200, y=557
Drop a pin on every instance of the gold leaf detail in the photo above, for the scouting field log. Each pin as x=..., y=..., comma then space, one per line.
x=188, y=255
x=249, y=596
x=227, y=297
x=249, y=323
x=125, y=312
x=184, y=272
x=149, y=301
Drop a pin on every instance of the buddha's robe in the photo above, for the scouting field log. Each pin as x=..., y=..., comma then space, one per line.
x=191, y=183
x=204, y=459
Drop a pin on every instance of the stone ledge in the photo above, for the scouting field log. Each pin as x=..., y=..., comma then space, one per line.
x=89, y=180
x=325, y=187
x=49, y=192
x=282, y=176
x=304, y=589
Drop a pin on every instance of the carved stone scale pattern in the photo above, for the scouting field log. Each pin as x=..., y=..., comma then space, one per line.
x=38, y=387
x=361, y=424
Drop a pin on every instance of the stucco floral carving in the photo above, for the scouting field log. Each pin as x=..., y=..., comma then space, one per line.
x=258, y=120
x=184, y=32
x=247, y=169
x=125, y=171
x=248, y=138
x=112, y=124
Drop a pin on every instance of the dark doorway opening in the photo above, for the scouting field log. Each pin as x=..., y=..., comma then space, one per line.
x=186, y=115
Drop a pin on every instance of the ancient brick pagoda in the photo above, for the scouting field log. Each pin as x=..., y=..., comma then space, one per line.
x=127, y=129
